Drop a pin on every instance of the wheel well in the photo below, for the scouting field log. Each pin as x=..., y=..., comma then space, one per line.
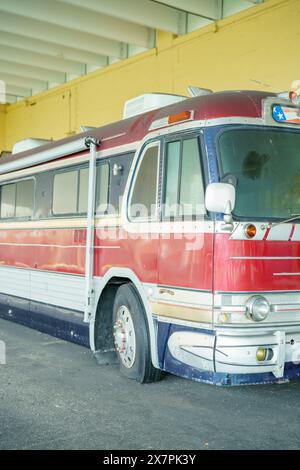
x=104, y=340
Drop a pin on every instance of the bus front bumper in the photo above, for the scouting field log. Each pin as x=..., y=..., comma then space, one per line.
x=253, y=355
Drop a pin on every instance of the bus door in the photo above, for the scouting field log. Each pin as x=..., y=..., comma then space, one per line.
x=186, y=234
x=143, y=214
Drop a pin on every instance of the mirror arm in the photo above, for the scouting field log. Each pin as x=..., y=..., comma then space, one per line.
x=228, y=220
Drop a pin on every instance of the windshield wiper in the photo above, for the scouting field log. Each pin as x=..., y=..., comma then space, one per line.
x=285, y=221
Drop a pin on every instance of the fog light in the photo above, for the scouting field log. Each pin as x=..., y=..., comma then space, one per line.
x=258, y=308
x=264, y=354
x=224, y=318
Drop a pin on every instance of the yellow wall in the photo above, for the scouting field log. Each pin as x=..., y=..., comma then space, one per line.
x=2, y=127
x=255, y=49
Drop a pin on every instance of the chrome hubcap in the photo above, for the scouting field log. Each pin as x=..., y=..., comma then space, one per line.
x=124, y=335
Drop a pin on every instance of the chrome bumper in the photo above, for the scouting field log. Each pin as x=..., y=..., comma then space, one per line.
x=234, y=351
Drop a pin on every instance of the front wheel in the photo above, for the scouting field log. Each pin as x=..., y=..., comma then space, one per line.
x=131, y=337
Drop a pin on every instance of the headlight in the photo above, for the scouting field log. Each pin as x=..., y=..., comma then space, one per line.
x=258, y=308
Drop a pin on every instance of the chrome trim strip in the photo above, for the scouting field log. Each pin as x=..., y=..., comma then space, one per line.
x=257, y=328
x=286, y=274
x=290, y=305
x=241, y=329
x=267, y=105
x=235, y=364
x=233, y=346
x=296, y=234
x=176, y=321
x=264, y=257
x=164, y=122
x=251, y=292
x=58, y=246
x=280, y=232
x=178, y=303
x=113, y=136
x=234, y=120
x=191, y=289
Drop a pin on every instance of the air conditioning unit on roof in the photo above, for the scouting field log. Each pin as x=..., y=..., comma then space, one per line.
x=148, y=102
x=28, y=144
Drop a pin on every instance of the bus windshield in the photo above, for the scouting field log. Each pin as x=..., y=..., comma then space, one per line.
x=264, y=165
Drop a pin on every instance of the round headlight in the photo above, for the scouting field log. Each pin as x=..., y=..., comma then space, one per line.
x=258, y=308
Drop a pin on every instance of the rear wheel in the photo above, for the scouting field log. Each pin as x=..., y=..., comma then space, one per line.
x=131, y=336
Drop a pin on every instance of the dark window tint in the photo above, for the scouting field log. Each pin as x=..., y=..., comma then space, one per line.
x=265, y=166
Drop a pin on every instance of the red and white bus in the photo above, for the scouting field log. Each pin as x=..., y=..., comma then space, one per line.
x=169, y=240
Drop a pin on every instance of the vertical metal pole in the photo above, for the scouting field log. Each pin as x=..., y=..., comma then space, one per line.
x=89, y=251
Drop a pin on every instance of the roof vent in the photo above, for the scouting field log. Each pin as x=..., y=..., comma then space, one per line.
x=5, y=153
x=87, y=128
x=28, y=144
x=148, y=102
x=196, y=91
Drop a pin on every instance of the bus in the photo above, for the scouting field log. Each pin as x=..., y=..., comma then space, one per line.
x=168, y=241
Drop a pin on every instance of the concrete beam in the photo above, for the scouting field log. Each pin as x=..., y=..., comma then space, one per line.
x=41, y=30
x=18, y=80
x=230, y=7
x=143, y=12
x=20, y=92
x=28, y=71
x=79, y=19
x=210, y=9
x=49, y=49
x=21, y=56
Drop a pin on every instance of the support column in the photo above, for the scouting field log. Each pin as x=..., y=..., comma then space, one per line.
x=164, y=40
x=2, y=127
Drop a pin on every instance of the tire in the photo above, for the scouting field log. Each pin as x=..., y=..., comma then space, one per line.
x=131, y=336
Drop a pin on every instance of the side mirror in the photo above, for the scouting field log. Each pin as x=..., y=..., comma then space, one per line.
x=220, y=197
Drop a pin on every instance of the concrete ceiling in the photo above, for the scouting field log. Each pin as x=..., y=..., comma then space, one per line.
x=44, y=43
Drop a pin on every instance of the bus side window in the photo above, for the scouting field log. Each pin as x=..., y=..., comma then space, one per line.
x=83, y=190
x=143, y=201
x=17, y=199
x=25, y=198
x=184, y=190
x=172, y=179
x=65, y=192
x=191, y=185
x=8, y=200
x=102, y=188
x=70, y=191
x=120, y=167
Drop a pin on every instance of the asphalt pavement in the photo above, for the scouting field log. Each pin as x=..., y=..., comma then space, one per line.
x=53, y=395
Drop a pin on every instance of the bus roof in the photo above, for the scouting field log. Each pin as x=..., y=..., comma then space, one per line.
x=246, y=104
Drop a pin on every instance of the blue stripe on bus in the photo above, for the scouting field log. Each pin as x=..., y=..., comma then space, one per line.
x=48, y=319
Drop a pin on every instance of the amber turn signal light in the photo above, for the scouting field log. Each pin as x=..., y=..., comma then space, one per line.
x=183, y=116
x=250, y=231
